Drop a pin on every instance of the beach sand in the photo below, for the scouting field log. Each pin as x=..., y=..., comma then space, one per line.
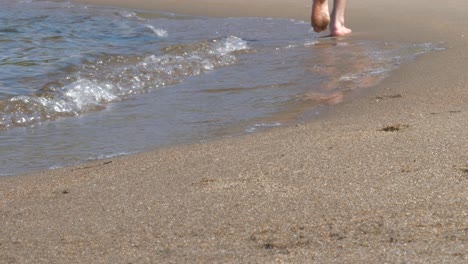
x=382, y=178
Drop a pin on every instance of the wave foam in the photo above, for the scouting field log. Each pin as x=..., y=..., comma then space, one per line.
x=112, y=79
x=158, y=31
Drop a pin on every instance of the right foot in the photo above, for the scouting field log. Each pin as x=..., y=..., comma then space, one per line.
x=339, y=31
x=320, y=16
x=337, y=23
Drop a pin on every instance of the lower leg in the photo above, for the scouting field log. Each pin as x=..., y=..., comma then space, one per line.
x=337, y=23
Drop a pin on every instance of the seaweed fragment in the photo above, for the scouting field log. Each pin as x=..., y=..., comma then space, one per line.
x=393, y=128
x=390, y=96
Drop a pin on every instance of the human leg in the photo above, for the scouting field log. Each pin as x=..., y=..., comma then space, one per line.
x=337, y=23
x=320, y=16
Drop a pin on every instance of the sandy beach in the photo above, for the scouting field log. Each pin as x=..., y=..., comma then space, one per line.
x=381, y=178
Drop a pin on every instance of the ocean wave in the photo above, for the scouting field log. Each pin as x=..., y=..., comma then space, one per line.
x=113, y=78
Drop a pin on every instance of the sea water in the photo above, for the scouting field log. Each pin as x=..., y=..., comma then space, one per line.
x=81, y=82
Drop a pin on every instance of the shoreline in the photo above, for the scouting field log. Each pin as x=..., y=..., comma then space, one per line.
x=380, y=178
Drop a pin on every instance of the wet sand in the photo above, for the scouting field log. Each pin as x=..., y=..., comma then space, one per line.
x=382, y=178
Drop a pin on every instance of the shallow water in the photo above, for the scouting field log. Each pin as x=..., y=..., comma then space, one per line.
x=82, y=82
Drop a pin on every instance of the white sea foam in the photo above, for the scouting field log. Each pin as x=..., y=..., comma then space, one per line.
x=86, y=93
x=158, y=31
x=255, y=127
x=114, y=155
x=231, y=44
x=127, y=14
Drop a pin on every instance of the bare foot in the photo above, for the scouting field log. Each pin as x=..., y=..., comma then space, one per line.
x=320, y=16
x=337, y=23
x=337, y=31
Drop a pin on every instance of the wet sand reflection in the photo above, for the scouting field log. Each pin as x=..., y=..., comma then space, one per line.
x=343, y=66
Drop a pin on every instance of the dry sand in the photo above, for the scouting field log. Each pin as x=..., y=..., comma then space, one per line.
x=336, y=190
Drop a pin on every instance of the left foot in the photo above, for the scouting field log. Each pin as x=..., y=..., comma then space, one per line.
x=320, y=16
